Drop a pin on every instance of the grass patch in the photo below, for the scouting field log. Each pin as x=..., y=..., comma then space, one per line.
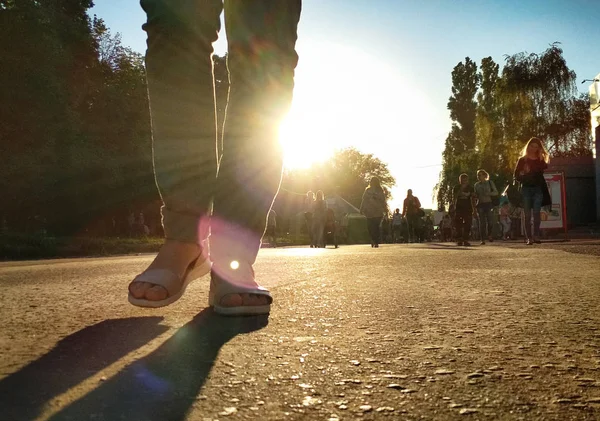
x=25, y=247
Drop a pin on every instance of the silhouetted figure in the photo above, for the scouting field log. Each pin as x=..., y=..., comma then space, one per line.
x=309, y=205
x=485, y=189
x=330, y=232
x=428, y=228
x=373, y=206
x=446, y=227
x=396, y=226
x=464, y=208
x=318, y=220
x=410, y=210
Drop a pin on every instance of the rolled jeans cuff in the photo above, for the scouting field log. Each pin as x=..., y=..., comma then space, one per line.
x=184, y=227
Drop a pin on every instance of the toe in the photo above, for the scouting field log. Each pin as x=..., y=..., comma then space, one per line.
x=138, y=289
x=156, y=293
x=232, y=300
x=258, y=300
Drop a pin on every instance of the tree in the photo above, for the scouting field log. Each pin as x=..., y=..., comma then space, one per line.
x=346, y=173
x=535, y=95
x=75, y=138
x=461, y=141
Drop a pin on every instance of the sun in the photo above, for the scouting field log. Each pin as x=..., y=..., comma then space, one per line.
x=348, y=97
x=301, y=140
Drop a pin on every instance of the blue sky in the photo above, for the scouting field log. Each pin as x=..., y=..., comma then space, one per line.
x=412, y=46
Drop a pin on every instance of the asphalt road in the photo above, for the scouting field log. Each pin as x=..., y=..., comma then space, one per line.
x=410, y=332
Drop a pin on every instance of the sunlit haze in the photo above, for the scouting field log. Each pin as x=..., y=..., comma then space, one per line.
x=376, y=75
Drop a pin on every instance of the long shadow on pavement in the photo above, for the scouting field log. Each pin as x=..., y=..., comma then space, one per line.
x=164, y=385
x=439, y=246
x=74, y=359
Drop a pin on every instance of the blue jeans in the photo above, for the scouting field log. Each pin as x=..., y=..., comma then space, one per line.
x=532, y=201
x=486, y=217
x=240, y=173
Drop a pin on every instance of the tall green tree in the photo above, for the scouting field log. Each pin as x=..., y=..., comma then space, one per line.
x=460, y=144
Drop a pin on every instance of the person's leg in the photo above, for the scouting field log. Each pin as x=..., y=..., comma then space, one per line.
x=370, y=229
x=482, y=221
x=309, y=228
x=179, y=73
x=317, y=231
x=468, y=222
x=505, y=228
x=489, y=216
x=458, y=223
x=527, y=206
x=321, y=233
x=377, y=230
x=261, y=37
x=538, y=198
x=335, y=235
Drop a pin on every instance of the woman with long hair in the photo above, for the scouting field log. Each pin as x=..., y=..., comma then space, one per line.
x=484, y=190
x=530, y=173
x=374, y=206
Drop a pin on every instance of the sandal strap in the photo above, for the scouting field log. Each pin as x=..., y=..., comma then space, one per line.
x=219, y=288
x=162, y=277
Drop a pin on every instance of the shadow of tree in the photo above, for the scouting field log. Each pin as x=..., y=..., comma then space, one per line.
x=164, y=385
x=74, y=359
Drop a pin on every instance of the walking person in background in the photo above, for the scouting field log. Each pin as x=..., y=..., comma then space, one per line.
x=464, y=208
x=485, y=189
x=318, y=220
x=428, y=227
x=374, y=206
x=396, y=226
x=446, y=227
x=411, y=211
x=530, y=173
x=309, y=205
x=331, y=229
x=225, y=185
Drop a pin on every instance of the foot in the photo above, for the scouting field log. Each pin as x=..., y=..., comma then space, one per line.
x=460, y=243
x=467, y=244
x=174, y=256
x=482, y=243
x=491, y=240
x=529, y=243
x=234, y=299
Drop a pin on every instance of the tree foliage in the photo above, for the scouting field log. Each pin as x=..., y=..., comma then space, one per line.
x=346, y=173
x=75, y=138
x=534, y=95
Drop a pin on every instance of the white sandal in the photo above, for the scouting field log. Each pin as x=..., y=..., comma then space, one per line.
x=171, y=282
x=219, y=288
